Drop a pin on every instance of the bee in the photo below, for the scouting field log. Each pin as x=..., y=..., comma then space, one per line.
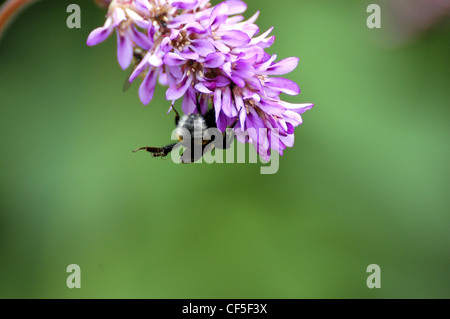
x=138, y=56
x=196, y=125
x=161, y=19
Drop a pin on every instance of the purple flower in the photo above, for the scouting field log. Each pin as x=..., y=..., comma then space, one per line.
x=256, y=97
x=126, y=21
x=210, y=57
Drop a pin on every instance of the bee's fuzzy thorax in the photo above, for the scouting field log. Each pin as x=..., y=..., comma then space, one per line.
x=194, y=124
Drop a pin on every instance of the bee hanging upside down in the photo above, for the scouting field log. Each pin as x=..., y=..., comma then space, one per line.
x=198, y=134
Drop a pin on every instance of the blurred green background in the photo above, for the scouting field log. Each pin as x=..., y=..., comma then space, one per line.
x=367, y=181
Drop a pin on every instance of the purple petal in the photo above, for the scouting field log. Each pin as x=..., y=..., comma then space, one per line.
x=139, y=69
x=202, y=47
x=195, y=27
x=174, y=92
x=184, y=4
x=241, y=136
x=298, y=108
x=271, y=93
x=202, y=88
x=218, y=82
x=174, y=34
x=189, y=55
x=292, y=119
x=262, y=41
x=140, y=39
x=235, y=38
x=118, y=16
x=218, y=15
x=255, y=120
x=235, y=19
x=278, y=143
x=189, y=104
x=227, y=106
x=244, y=69
x=253, y=18
x=283, y=127
x=181, y=19
x=173, y=59
x=235, y=6
x=267, y=57
x=147, y=87
x=124, y=50
x=252, y=133
x=221, y=46
x=142, y=5
x=214, y=60
x=99, y=35
x=226, y=68
x=290, y=127
x=267, y=43
x=204, y=101
x=253, y=54
x=238, y=80
x=266, y=62
x=250, y=95
x=249, y=29
x=271, y=108
x=239, y=102
x=221, y=81
x=162, y=77
x=254, y=84
x=155, y=59
x=288, y=140
x=151, y=32
x=175, y=73
x=277, y=124
x=283, y=85
x=217, y=102
x=165, y=45
x=283, y=67
x=137, y=19
x=221, y=122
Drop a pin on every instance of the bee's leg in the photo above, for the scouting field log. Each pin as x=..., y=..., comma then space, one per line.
x=228, y=139
x=177, y=116
x=197, y=99
x=228, y=136
x=157, y=151
x=154, y=150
